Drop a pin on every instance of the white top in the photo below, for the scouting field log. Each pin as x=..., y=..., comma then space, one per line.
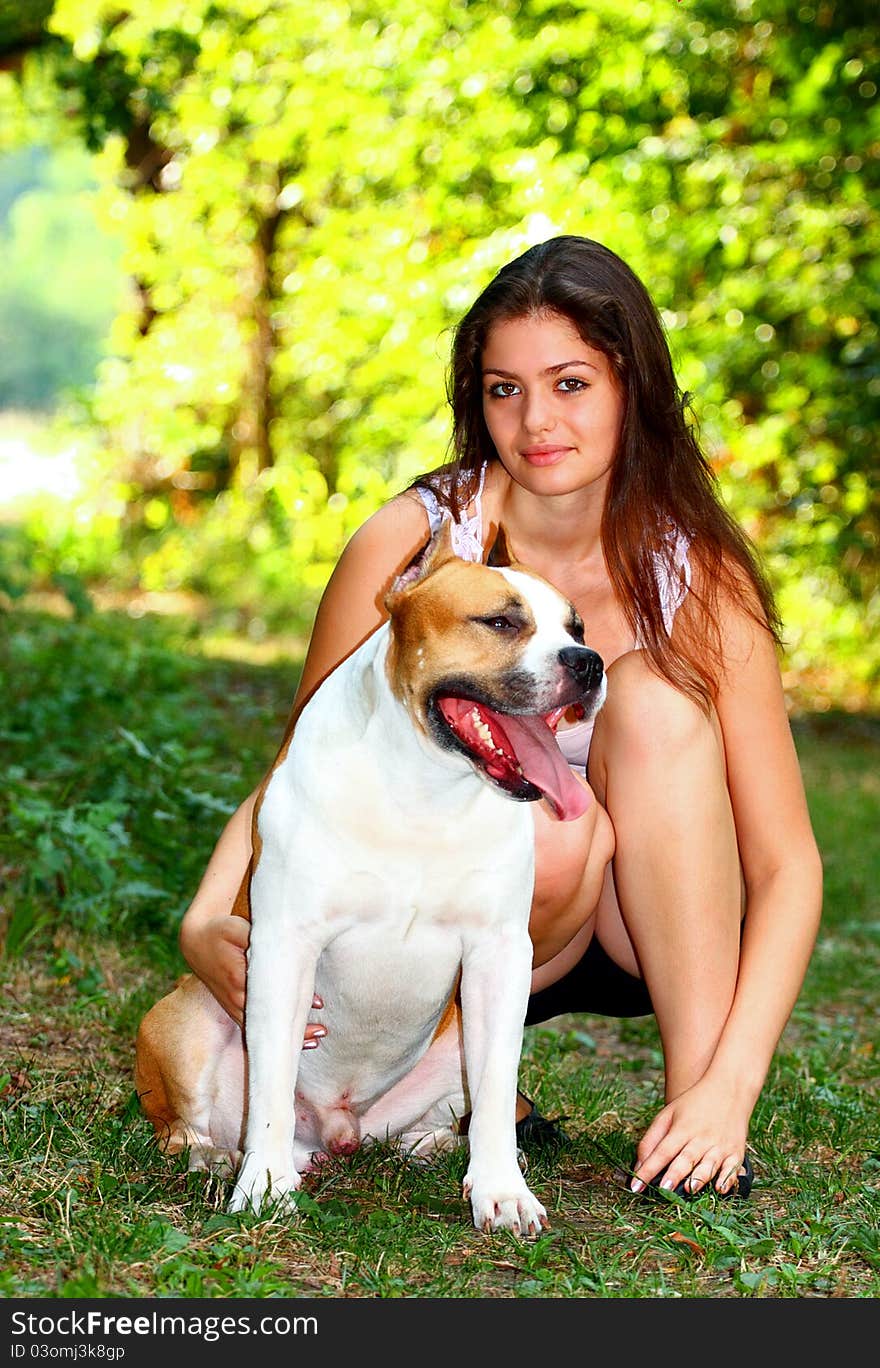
x=671, y=568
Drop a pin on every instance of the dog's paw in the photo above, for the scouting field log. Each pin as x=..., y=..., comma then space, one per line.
x=508, y=1206
x=260, y=1185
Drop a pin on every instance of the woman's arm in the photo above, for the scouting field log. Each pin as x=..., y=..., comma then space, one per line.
x=212, y=942
x=352, y=606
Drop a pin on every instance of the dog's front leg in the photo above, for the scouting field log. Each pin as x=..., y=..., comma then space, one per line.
x=280, y=984
x=496, y=972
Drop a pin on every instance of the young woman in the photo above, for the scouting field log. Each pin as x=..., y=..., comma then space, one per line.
x=692, y=886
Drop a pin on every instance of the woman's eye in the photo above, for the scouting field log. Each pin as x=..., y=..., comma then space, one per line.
x=503, y=389
x=572, y=384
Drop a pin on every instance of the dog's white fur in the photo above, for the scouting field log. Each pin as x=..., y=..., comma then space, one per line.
x=387, y=871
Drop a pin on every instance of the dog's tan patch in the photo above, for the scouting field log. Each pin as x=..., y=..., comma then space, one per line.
x=439, y=622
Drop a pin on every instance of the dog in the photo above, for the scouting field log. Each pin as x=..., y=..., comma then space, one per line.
x=392, y=873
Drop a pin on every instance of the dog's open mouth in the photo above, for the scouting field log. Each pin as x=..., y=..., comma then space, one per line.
x=518, y=753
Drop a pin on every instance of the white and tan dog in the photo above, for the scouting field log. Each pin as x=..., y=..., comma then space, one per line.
x=393, y=875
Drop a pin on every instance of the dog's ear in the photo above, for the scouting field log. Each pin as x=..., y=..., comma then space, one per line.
x=500, y=552
x=435, y=551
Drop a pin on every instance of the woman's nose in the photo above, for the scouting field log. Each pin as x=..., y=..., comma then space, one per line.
x=538, y=414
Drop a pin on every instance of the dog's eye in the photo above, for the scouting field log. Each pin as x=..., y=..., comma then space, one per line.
x=499, y=623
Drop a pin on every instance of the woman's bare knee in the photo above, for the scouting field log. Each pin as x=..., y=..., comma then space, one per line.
x=645, y=720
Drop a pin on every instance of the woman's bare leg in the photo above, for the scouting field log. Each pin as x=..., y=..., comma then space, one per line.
x=671, y=904
x=669, y=907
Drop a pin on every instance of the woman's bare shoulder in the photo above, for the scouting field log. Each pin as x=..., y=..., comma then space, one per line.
x=353, y=603
x=401, y=522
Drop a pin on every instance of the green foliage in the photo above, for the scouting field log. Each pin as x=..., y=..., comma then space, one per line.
x=22, y=21
x=60, y=286
x=300, y=259
x=124, y=749
x=117, y=784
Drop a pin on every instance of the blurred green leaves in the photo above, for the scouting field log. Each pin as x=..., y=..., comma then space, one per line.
x=309, y=196
x=57, y=296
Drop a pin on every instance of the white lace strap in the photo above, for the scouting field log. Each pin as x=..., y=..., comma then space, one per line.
x=672, y=570
x=467, y=534
x=432, y=507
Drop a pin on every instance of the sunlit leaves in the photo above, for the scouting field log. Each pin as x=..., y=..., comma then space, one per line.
x=336, y=182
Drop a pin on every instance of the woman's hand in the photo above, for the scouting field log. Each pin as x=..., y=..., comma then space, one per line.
x=698, y=1138
x=215, y=948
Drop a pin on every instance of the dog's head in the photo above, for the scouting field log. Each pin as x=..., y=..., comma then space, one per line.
x=487, y=658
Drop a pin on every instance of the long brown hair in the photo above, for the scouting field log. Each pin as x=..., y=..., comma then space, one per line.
x=660, y=481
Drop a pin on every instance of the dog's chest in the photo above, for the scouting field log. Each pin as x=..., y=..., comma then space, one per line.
x=406, y=896
x=356, y=841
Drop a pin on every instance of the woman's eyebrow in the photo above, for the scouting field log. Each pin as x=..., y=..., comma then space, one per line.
x=550, y=370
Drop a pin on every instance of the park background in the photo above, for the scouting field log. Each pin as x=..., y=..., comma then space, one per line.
x=235, y=237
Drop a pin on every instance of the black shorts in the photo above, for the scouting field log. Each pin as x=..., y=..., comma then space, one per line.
x=595, y=984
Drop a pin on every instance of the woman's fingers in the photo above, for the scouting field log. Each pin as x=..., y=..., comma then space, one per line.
x=314, y=1031
x=689, y=1167
x=675, y=1169
x=729, y=1171
x=652, y=1148
x=702, y=1173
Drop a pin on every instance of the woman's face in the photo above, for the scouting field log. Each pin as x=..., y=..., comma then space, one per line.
x=552, y=404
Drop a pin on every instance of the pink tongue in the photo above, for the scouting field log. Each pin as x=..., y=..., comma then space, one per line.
x=544, y=765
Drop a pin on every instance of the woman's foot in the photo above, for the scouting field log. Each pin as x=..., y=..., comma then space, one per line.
x=534, y=1131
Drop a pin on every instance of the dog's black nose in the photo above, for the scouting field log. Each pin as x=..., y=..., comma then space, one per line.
x=584, y=664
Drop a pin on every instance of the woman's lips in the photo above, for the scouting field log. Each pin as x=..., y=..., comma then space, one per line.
x=544, y=455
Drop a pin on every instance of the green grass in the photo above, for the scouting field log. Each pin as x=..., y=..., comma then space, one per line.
x=124, y=749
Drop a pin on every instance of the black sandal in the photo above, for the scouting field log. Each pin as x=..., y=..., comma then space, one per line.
x=538, y=1133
